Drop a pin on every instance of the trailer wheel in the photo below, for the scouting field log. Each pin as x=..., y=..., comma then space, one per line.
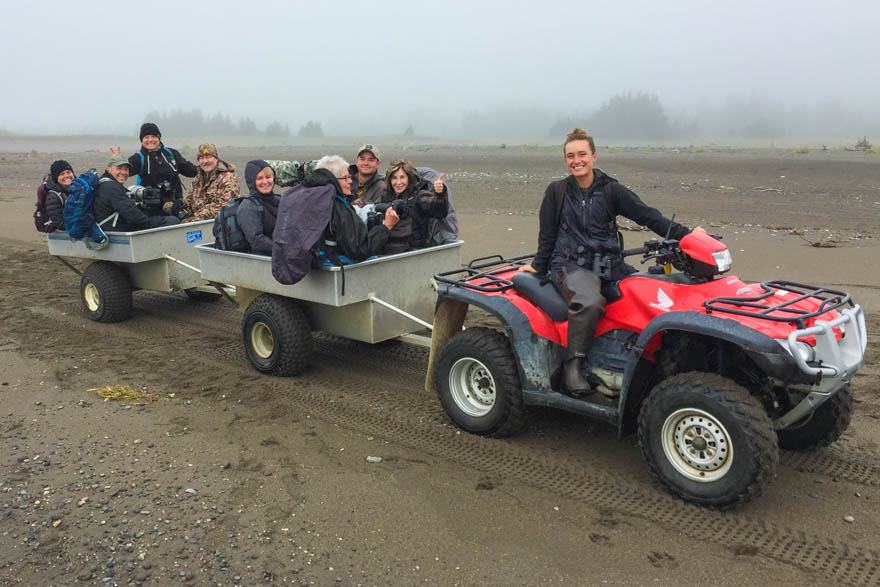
x=277, y=336
x=201, y=296
x=708, y=440
x=478, y=383
x=105, y=292
x=821, y=427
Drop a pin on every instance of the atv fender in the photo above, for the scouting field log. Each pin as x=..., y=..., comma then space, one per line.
x=534, y=354
x=766, y=353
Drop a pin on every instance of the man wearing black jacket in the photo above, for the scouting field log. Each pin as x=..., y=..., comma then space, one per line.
x=156, y=163
x=578, y=219
x=112, y=198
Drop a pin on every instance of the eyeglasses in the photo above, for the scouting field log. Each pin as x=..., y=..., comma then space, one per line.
x=344, y=178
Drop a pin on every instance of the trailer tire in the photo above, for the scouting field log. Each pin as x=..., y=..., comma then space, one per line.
x=478, y=383
x=105, y=292
x=708, y=440
x=821, y=427
x=201, y=296
x=277, y=336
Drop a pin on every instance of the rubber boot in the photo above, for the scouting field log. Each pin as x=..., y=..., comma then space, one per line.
x=573, y=380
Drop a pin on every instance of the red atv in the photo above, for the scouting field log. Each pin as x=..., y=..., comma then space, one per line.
x=715, y=374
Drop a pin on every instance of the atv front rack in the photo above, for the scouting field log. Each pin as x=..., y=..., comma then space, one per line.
x=759, y=307
x=482, y=274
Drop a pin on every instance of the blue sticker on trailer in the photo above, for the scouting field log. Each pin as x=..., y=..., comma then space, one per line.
x=193, y=236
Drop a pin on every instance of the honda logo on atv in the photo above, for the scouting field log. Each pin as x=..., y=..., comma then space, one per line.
x=663, y=303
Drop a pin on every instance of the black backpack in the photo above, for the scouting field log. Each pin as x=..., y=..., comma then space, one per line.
x=228, y=235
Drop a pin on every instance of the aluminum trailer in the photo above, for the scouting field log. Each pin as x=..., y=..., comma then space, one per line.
x=372, y=301
x=160, y=259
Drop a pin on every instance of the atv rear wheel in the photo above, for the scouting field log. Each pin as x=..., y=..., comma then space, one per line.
x=823, y=426
x=708, y=439
x=105, y=292
x=478, y=383
x=277, y=336
x=201, y=296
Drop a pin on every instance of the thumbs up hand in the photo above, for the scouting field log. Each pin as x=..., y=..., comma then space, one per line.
x=438, y=184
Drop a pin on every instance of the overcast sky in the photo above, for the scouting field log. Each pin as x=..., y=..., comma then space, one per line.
x=371, y=67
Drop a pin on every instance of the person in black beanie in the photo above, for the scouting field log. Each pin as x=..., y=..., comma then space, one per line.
x=156, y=163
x=58, y=182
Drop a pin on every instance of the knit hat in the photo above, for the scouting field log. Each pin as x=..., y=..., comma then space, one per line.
x=58, y=167
x=118, y=160
x=150, y=128
x=207, y=149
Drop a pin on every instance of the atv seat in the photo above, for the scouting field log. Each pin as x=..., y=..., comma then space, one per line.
x=543, y=294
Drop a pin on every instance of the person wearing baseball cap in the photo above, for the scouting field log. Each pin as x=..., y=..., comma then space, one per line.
x=111, y=198
x=155, y=163
x=214, y=186
x=368, y=185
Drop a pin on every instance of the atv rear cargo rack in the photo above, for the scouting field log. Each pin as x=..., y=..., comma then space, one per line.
x=831, y=299
x=484, y=276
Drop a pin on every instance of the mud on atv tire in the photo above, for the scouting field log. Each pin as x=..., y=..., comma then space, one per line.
x=708, y=440
x=822, y=427
x=478, y=383
x=277, y=336
x=105, y=292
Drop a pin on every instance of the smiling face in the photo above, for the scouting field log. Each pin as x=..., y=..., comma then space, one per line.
x=119, y=172
x=208, y=163
x=150, y=142
x=65, y=178
x=399, y=181
x=265, y=181
x=367, y=165
x=579, y=158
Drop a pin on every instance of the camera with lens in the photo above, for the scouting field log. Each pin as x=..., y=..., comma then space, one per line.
x=377, y=215
x=150, y=199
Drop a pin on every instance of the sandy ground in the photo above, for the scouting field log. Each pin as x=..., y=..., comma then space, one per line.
x=228, y=477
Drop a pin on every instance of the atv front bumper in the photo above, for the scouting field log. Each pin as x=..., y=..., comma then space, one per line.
x=836, y=360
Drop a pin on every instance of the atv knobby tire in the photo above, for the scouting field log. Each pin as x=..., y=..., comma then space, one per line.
x=277, y=336
x=823, y=426
x=105, y=292
x=478, y=383
x=202, y=296
x=708, y=440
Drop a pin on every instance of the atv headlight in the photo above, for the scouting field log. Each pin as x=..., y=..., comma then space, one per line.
x=723, y=260
x=806, y=352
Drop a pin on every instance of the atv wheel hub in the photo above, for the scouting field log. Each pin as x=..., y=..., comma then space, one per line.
x=697, y=445
x=472, y=387
x=262, y=340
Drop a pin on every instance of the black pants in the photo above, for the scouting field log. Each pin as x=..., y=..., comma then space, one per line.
x=157, y=221
x=581, y=289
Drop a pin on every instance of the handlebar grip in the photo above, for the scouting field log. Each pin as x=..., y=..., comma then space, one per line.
x=631, y=252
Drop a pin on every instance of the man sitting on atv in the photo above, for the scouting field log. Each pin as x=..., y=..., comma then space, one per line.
x=577, y=224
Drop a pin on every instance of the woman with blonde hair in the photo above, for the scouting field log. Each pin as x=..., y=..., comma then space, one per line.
x=577, y=220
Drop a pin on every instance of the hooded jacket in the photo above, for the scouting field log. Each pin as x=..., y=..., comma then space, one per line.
x=346, y=234
x=211, y=191
x=257, y=213
x=55, y=197
x=159, y=166
x=422, y=204
x=570, y=218
x=111, y=197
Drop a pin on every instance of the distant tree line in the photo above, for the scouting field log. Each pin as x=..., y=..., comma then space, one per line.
x=194, y=123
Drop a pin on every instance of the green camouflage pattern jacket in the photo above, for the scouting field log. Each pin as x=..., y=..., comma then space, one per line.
x=210, y=192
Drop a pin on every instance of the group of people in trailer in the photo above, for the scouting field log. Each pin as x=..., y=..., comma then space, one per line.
x=577, y=216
